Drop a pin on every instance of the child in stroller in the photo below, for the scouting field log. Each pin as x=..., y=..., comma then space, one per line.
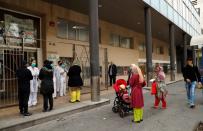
x=122, y=99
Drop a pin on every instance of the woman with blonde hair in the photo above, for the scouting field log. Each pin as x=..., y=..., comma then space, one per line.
x=136, y=82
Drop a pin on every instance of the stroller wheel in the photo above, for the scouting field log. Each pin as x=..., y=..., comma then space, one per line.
x=115, y=109
x=121, y=113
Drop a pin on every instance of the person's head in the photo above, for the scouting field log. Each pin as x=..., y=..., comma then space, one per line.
x=33, y=63
x=60, y=63
x=136, y=70
x=189, y=61
x=24, y=63
x=157, y=67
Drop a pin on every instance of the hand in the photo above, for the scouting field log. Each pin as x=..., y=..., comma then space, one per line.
x=188, y=80
x=199, y=83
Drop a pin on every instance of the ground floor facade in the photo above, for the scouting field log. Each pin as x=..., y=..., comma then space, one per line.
x=41, y=30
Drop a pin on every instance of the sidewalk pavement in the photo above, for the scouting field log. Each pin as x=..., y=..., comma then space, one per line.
x=11, y=120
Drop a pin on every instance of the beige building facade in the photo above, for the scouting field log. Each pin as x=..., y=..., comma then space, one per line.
x=53, y=32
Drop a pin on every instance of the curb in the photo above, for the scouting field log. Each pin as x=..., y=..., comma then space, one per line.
x=21, y=123
x=171, y=82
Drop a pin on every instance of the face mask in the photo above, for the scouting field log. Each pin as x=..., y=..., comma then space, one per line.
x=63, y=66
x=33, y=65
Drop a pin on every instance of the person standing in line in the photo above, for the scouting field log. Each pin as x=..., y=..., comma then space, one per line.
x=112, y=71
x=75, y=82
x=191, y=76
x=47, y=85
x=54, y=79
x=160, y=86
x=136, y=82
x=24, y=76
x=33, y=84
x=63, y=80
x=58, y=78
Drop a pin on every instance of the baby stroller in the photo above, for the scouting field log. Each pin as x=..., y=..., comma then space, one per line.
x=121, y=103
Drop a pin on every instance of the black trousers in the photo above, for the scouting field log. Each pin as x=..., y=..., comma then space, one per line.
x=48, y=98
x=112, y=79
x=23, y=97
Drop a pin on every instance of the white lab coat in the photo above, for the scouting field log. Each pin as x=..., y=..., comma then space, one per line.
x=57, y=78
x=54, y=80
x=62, y=89
x=33, y=86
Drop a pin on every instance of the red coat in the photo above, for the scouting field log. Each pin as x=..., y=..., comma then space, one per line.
x=137, y=100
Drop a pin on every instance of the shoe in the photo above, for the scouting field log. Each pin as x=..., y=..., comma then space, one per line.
x=72, y=101
x=50, y=109
x=44, y=110
x=136, y=121
x=155, y=107
x=192, y=106
x=141, y=120
x=27, y=114
x=77, y=100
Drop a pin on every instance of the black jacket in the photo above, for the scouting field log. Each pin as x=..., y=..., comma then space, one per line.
x=24, y=76
x=75, y=79
x=114, y=70
x=47, y=84
x=191, y=73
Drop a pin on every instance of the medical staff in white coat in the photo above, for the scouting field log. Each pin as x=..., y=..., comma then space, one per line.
x=63, y=74
x=57, y=78
x=33, y=84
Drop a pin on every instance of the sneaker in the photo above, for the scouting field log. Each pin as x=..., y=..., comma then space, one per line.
x=163, y=107
x=27, y=114
x=44, y=110
x=141, y=120
x=155, y=107
x=77, y=100
x=192, y=106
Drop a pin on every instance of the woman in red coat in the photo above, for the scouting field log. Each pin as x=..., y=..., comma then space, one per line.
x=137, y=101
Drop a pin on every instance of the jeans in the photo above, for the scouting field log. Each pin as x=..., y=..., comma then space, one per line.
x=190, y=88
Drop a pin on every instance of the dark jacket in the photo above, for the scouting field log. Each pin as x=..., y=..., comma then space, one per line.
x=75, y=79
x=24, y=76
x=191, y=73
x=47, y=84
x=114, y=70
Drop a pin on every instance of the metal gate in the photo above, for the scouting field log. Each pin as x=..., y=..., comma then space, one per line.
x=10, y=61
x=81, y=54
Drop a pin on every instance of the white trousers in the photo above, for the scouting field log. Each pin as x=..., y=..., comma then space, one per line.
x=32, y=99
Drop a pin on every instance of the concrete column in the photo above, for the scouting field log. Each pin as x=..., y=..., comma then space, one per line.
x=172, y=50
x=185, y=49
x=94, y=50
x=148, y=42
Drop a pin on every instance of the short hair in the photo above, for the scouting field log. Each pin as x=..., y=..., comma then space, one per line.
x=189, y=59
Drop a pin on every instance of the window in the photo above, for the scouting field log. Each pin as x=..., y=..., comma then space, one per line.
x=142, y=47
x=114, y=40
x=72, y=31
x=121, y=41
x=61, y=29
x=125, y=42
x=160, y=50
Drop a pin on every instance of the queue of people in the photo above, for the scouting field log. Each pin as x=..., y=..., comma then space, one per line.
x=53, y=83
x=54, y=80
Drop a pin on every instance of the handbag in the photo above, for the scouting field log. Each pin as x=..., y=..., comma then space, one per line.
x=198, y=85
